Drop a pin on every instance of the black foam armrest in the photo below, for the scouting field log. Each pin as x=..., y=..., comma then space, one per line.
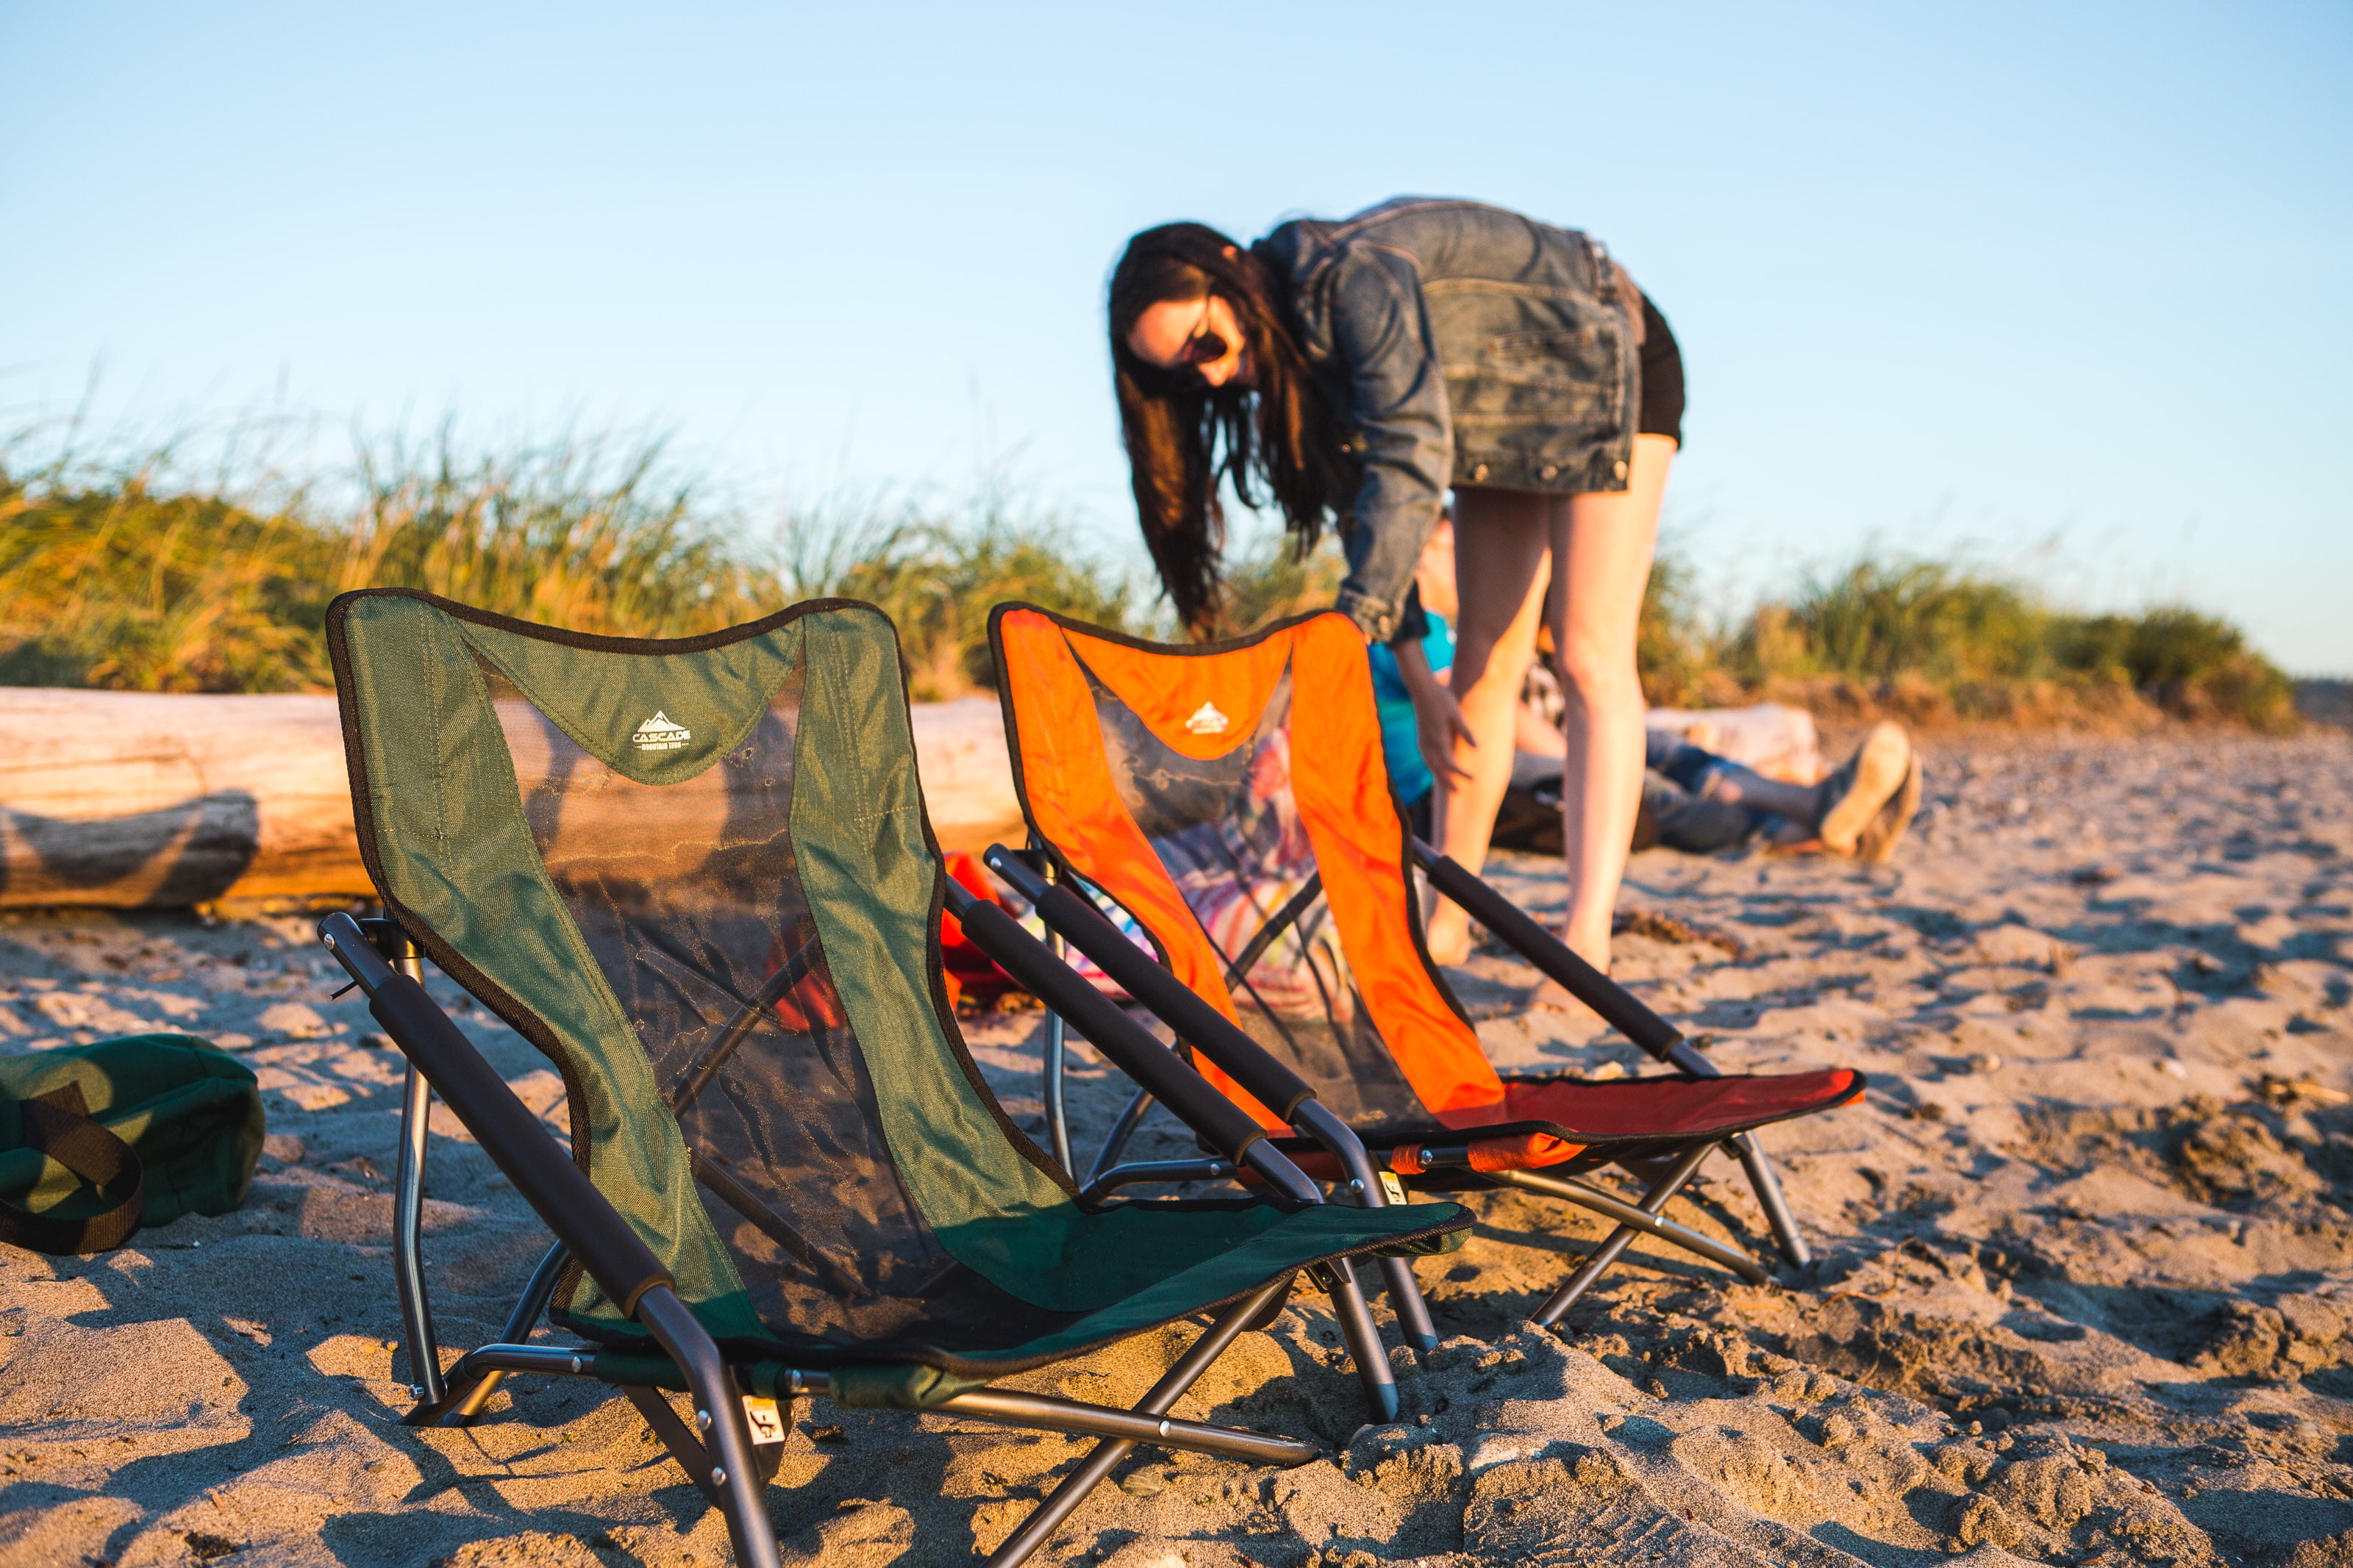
x=1619, y=1007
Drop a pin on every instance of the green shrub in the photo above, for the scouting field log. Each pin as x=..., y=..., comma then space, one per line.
x=593, y=534
x=1671, y=649
x=131, y=577
x=1926, y=639
x=2193, y=666
x=1880, y=618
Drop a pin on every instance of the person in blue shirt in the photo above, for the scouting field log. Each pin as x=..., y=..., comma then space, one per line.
x=1410, y=774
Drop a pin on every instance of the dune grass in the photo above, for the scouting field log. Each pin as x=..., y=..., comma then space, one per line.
x=1940, y=641
x=135, y=574
x=936, y=570
x=130, y=577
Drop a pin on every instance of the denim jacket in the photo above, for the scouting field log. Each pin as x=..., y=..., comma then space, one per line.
x=1459, y=345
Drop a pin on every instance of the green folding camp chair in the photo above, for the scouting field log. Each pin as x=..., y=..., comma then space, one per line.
x=698, y=875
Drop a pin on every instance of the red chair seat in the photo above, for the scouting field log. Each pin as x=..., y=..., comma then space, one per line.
x=1547, y=1121
x=1607, y=1111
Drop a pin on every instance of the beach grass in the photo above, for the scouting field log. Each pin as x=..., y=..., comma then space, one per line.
x=131, y=572
x=937, y=570
x=1941, y=641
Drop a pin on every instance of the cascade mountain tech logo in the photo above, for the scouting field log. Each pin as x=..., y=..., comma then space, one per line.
x=659, y=734
x=1208, y=720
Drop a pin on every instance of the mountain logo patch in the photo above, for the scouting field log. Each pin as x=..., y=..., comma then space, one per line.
x=1208, y=720
x=659, y=734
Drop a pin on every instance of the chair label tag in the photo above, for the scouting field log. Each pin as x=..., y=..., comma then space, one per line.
x=768, y=1422
x=1394, y=1188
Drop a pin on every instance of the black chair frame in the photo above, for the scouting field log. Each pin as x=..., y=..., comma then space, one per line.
x=733, y=1442
x=1082, y=921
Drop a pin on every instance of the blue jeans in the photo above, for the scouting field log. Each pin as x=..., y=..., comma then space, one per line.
x=1676, y=810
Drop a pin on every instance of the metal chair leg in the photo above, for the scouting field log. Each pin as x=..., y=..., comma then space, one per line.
x=520, y=1325
x=1365, y=1183
x=1363, y=1340
x=1115, y=1142
x=1058, y=1116
x=734, y=1480
x=535, y=1297
x=1767, y=1188
x=1598, y=1261
x=409, y=1213
x=1165, y=1394
x=1406, y=1300
x=1569, y=1190
x=408, y=1243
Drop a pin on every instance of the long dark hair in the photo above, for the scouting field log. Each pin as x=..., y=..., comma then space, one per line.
x=1184, y=436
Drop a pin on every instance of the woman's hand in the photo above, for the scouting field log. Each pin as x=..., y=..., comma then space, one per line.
x=1437, y=715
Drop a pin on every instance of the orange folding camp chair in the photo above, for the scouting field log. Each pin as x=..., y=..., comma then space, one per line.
x=1230, y=800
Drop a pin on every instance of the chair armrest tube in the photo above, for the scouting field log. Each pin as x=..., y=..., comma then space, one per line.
x=1340, y=1140
x=1618, y=1005
x=1275, y=1167
x=518, y=1144
x=1200, y=1026
x=1135, y=1052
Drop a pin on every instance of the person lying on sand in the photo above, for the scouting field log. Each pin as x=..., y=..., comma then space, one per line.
x=1693, y=799
x=1699, y=803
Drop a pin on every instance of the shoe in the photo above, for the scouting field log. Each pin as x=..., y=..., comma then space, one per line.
x=1876, y=843
x=1853, y=795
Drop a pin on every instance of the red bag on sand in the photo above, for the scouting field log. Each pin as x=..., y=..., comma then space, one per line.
x=810, y=1007
x=968, y=972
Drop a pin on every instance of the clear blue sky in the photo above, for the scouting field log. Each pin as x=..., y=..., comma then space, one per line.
x=1995, y=275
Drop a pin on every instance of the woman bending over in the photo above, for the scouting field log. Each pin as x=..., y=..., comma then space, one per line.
x=1352, y=373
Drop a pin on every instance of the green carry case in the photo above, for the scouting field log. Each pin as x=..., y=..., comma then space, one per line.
x=96, y=1141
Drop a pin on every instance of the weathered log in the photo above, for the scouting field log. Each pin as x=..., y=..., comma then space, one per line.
x=130, y=799
x=967, y=773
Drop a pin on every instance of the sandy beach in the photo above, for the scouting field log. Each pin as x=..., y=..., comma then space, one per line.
x=2083, y=1291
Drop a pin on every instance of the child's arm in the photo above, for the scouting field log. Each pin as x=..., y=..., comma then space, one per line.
x=1437, y=715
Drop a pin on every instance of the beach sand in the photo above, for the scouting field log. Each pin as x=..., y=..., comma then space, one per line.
x=2083, y=1291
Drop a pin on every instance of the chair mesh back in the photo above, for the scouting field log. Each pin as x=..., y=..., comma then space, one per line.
x=614, y=845
x=690, y=904
x=1224, y=792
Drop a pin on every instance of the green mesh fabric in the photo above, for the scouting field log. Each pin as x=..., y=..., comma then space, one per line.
x=699, y=876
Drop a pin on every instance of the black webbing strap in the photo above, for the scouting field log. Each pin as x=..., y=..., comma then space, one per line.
x=58, y=1125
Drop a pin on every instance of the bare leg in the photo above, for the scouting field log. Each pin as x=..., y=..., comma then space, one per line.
x=1501, y=544
x=1736, y=786
x=1601, y=562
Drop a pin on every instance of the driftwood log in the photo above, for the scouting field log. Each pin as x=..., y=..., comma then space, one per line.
x=132, y=800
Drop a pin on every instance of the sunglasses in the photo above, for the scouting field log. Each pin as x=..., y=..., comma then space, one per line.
x=1204, y=347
